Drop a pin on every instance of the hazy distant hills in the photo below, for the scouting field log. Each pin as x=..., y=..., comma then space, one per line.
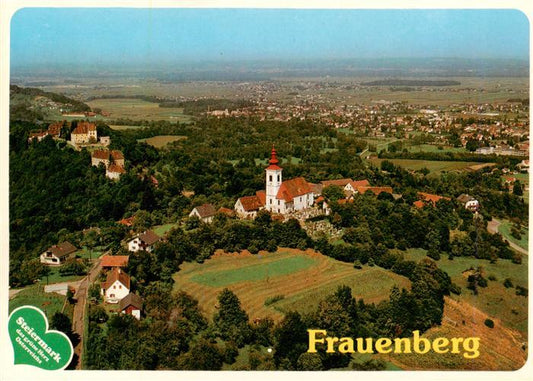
x=268, y=70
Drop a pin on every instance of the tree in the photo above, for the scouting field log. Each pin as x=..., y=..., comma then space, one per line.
x=204, y=355
x=309, y=361
x=290, y=340
x=333, y=193
x=231, y=320
x=517, y=188
x=61, y=322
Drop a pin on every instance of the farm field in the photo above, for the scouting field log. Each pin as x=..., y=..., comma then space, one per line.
x=303, y=278
x=123, y=127
x=137, y=109
x=435, y=167
x=505, y=229
x=435, y=149
x=500, y=347
x=494, y=300
x=161, y=141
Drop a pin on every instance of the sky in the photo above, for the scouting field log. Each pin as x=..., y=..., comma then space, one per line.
x=150, y=36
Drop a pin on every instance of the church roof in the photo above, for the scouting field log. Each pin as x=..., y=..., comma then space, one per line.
x=339, y=182
x=292, y=188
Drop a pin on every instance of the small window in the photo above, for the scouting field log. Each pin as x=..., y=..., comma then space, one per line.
x=270, y=178
x=278, y=178
x=278, y=202
x=120, y=286
x=114, y=286
x=270, y=201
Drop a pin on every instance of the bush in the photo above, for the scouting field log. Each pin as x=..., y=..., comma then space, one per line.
x=492, y=277
x=521, y=291
x=508, y=283
x=357, y=264
x=274, y=299
x=489, y=323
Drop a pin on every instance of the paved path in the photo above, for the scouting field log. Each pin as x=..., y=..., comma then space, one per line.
x=78, y=318
x=492, y=227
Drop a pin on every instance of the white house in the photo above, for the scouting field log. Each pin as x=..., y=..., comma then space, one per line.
x=285, y=196
x=116, y=286
x=144, y=241
x=58, y=254
x=469, y=202
x=85, y=132
x=114, y=171
x=204, y=212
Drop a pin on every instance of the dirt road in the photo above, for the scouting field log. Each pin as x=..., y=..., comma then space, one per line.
x=78, y=319
x=492, y=227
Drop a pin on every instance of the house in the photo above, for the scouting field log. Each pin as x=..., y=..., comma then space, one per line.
x=107, y=157
x=54, y=129
x=105, y=140
x=428, y=198
x=469, y=202
x=204, y=212
x=112, y=261
x=131, y=304
x=285, y=196
x=39, y=135
x=144, y=241
x=249, y=206
x=58, y=254
x=375, y=190
x=353, y=185
x=84, y=133
x=116, y=286
x=114, y=171
x=339, y=183
x=523, y=166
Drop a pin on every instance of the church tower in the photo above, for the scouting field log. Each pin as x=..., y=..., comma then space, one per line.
x=273, y=182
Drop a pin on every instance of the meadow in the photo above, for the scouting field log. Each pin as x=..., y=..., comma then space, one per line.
x=34, y=295
x=161, y=141
x=495, y=300
x=137, y=109
x=505, y=229
x=303, y=278
x=434, y=167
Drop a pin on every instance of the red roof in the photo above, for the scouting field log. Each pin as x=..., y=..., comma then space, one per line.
x=262, y=196
x=55, y=128
x=84, y=128
x=359, y=183
x=251, y=203
x=293, y=188
x=226, y=211
x=375, y=190
x=115, y=260
x=149, y=237
x=428, y=197
x=206, y=210
x=339, y=182
x=114, y=275
x=273, y=160
x=116, y=168
x=127, y=221
x=105, y=154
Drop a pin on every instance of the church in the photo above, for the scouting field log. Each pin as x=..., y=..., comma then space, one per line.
x=281, y=197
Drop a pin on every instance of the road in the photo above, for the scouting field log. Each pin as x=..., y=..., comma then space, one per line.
x=492, y=227
x=78, y=318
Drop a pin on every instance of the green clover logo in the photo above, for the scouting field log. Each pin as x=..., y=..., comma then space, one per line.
x=34, y=344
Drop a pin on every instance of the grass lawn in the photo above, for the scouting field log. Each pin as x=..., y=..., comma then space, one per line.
x=435, y=167
x=495, y=300
x=34, y=295
x=435, y=149
x=505, y=229
x=161, y=230
x=303, y=278
x=138, y=109
x=55, y=277
x=161, y=141
x=260, y=271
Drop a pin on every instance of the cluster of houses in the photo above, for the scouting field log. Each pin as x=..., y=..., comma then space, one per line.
x=113, y=160
x=84, y=133
x=287, y=197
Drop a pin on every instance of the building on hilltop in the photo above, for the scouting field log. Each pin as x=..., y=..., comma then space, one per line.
x=285, y=196
x=205, y=212
x=84, y=133
x=116, y=286
x=107, y=157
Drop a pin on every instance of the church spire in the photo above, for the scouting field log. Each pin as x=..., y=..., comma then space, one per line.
x=273, y=160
